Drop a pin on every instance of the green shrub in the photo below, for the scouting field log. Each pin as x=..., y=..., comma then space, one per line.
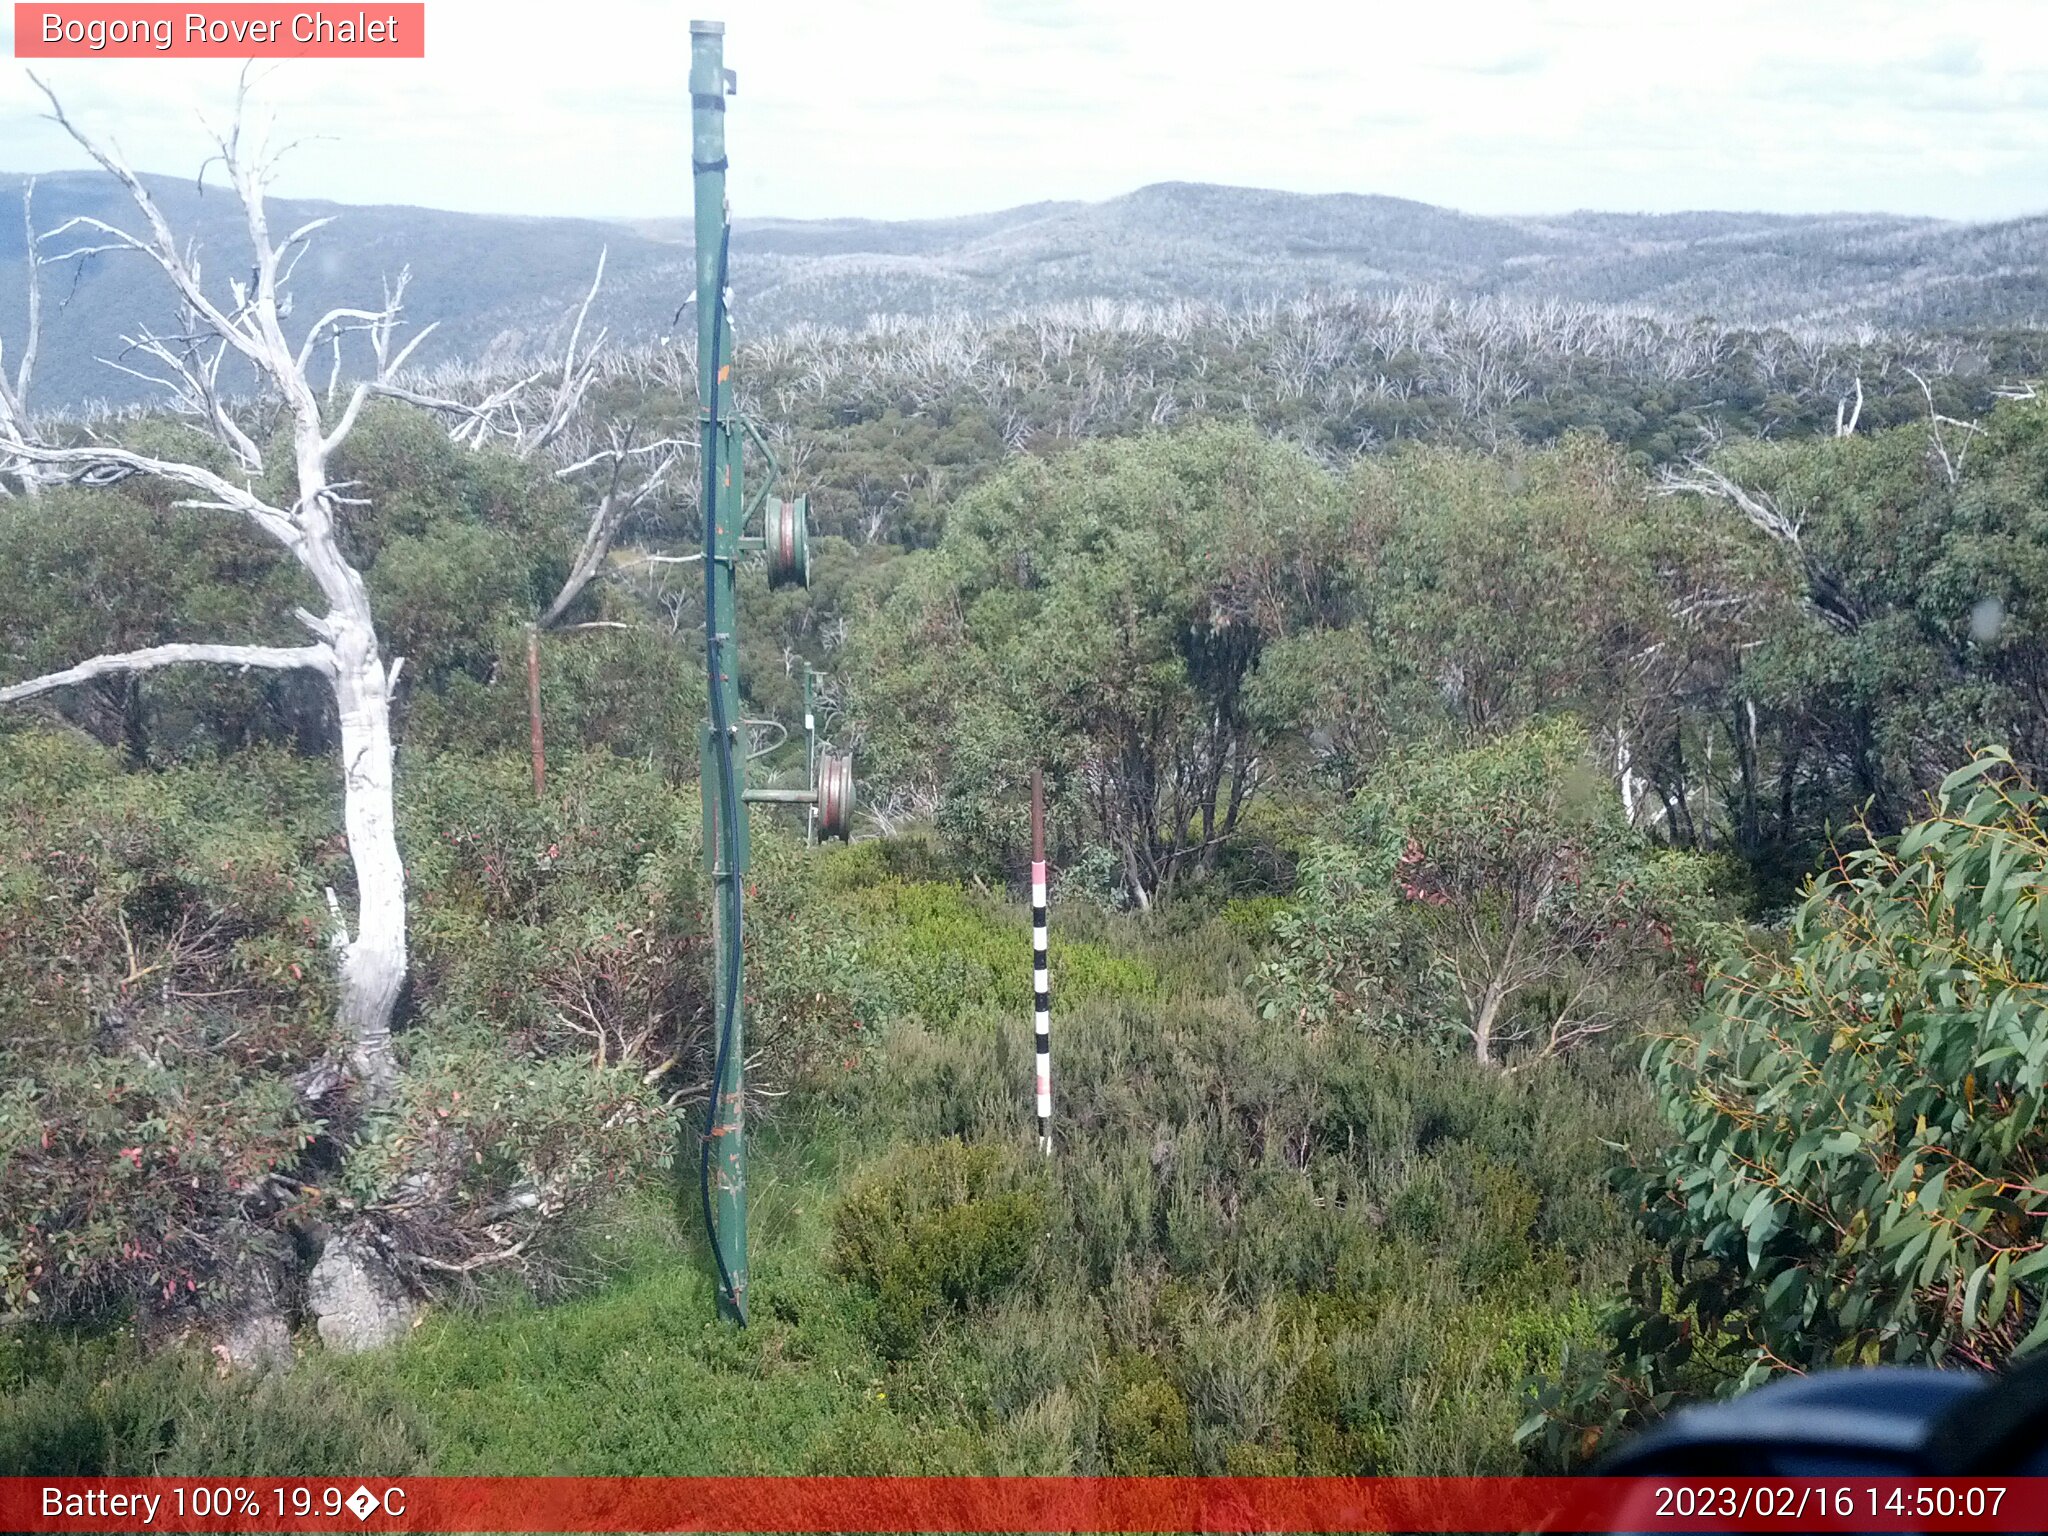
x=1145, y=1425
x=1236, y=1366
x=1856, y=1174
x=635, y=693
x=1252, y=918
x=939, y=953
x=1495, y=899
x=163, y=974
x=937, y=1230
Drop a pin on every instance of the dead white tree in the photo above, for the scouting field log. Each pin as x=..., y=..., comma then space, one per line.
x=1951, y=463
x=632, y=475
x=1846, y=417
x=14, y=417
x=652, y=464
x=1700, y=478
x=504, y=415
x=344, y=649
x=1827, y=594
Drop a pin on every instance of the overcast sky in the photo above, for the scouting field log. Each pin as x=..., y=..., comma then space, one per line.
x=906, y=108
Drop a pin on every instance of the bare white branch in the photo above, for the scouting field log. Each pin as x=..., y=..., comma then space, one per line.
x=1846, y=418
x=1701, y=479
x=614, y=507
x=315, y=658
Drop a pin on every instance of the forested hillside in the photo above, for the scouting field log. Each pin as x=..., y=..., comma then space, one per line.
x=1548, y=903
x=1235, y=245
x=499, y=287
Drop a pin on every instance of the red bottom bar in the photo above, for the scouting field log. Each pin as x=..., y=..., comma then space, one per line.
x=1022, y=1504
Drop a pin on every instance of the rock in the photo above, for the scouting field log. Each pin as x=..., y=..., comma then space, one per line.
x=258, y=1341
x=254, y=1331
x=356, y=1301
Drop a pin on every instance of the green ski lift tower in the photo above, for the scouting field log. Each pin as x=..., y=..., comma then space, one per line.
x=785, y=541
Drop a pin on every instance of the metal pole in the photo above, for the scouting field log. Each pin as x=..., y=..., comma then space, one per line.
x=725, y=852
x=811, y=753
x=535, y=736
x=1041, y=975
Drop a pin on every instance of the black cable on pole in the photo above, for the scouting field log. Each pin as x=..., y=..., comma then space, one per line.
x=727, y=1005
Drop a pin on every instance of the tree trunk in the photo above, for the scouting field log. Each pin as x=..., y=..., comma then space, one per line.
x=1679, y=807
x=537, y=740
x=374, y=962
x=1483, y=1021
x=1132, y=874
x=1749, y=823
x=1788, y=783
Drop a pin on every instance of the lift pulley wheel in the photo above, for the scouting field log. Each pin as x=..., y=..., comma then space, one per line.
x=789, y=543
x=835, y=796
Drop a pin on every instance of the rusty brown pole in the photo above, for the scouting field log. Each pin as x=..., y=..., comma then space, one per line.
x=540, y=751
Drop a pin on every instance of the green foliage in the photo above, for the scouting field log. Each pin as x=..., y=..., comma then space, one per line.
x=100, y=1408
x=1254, y=918
x=934, y=952
x=1263, y=1253
x=1145, y=1429
x=1342, y=1256
x=163, y=973
x=477, y=1135
x=1507, y=585
x=1102, y=610
x=461, y=549
x=1496, y=894
x=1854, y=1175
x=424, y=487
x=82, y=572
x=165, y=977
x=937, y=1229
x=1328, y=713
x=633, y=691
x=556, y=917
x=642, y=1378
x=1902, y=632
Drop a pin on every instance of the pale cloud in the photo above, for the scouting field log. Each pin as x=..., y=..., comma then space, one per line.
x=1523, y=61
x=902, y=108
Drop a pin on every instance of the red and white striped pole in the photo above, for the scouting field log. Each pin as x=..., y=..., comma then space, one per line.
x=1041, y=975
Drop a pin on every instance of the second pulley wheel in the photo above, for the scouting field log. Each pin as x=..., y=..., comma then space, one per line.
x=835, y=796
x=788, y=539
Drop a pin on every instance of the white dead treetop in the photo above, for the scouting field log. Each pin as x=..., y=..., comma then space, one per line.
x=624, y=494
x=506, y=415
x=14, y=417
x=1699, y=478
x=1845, y=417
x=629, y=474
x=344, y=649
x=1828, y=595
x=1951, y=463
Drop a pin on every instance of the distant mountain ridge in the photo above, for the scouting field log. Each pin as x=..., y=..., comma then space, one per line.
x=1234, y=244
x=501, y=286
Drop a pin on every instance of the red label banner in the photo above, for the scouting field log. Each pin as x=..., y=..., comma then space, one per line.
x=1023, y=1504
x=234, y=31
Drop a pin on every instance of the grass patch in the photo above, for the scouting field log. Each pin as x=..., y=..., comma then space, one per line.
x=938, y=952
